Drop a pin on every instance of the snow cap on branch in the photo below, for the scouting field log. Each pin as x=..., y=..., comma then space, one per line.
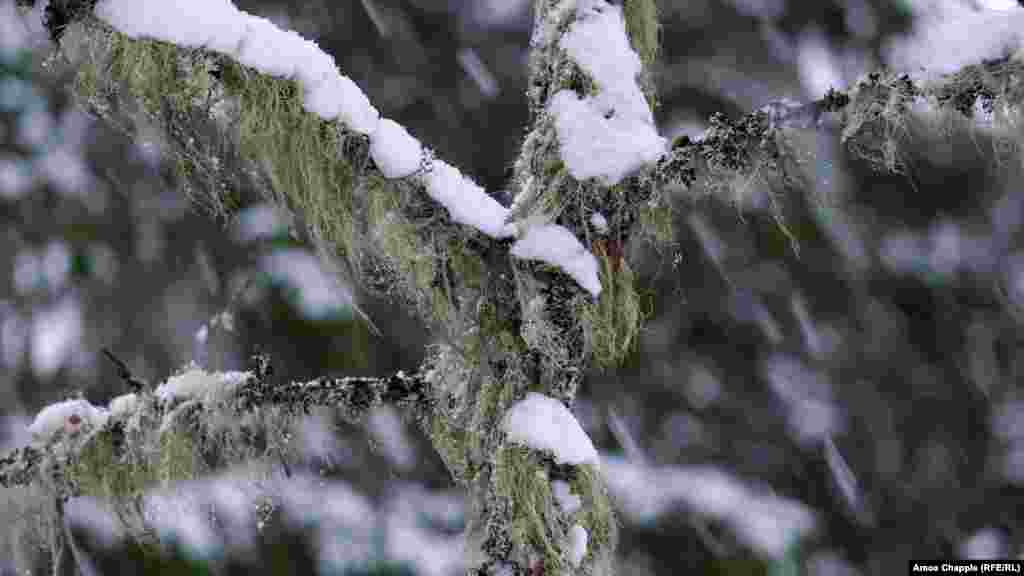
x=396, y=152
x=543, y=423
x=557, y=246
x=578, y=541
x=270, y=49
x=467, y=203
x=220, y=28
x=255, y=42
x=617, y=146
x=199, y=384
x=123, y=405
x=612, y=133
x=68, y=415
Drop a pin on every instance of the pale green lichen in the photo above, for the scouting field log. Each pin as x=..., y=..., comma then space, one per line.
x=596, y=514
x=451, y=444
x=644, y=28
x=298, y=150
x=415, y=262
x=160, y=73
x=656, y=222
x=612, y=323
x=533, y=526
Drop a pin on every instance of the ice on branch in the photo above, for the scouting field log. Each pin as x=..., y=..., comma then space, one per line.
x=557, y=246
x=612, y=133
x=543, y=423
x=68, y=415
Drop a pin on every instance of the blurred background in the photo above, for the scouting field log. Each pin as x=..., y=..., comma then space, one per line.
x=861, y=394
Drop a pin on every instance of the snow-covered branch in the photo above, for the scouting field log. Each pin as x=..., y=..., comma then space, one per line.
x=239, y=393
x=526, y=297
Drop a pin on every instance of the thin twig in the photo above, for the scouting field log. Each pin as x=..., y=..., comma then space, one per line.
x=134, y=384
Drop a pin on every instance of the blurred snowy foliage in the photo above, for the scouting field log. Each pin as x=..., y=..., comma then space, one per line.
x=862, y=397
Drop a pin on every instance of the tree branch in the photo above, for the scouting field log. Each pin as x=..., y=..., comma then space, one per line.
x=508, y=325
x=353, y=396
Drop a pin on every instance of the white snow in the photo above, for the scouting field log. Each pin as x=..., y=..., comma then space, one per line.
x=387, y=430
x=55, y=335
x=818, y=67
x=56, y=264
x=985, y=544
x=611, y=134
x=763, y=521
x=57, y=416
x=319, y=293
x=269, y=49
x=543, y=423
x=221, y=26
x=556, y=245
x=15, y=178
x=394, y=150
x=595, y=145
x=255, y=42
x=999, y=4
x=944, y=42
x=599, y=222
x=12, y=31
x=182, y=513
x=578, y=542
x=99, y=517
x=339, y=97
x=199, y=384
x=466, y=202
x=21, y=30
x=566, y=500
x=408, y=540
x=123, y=405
